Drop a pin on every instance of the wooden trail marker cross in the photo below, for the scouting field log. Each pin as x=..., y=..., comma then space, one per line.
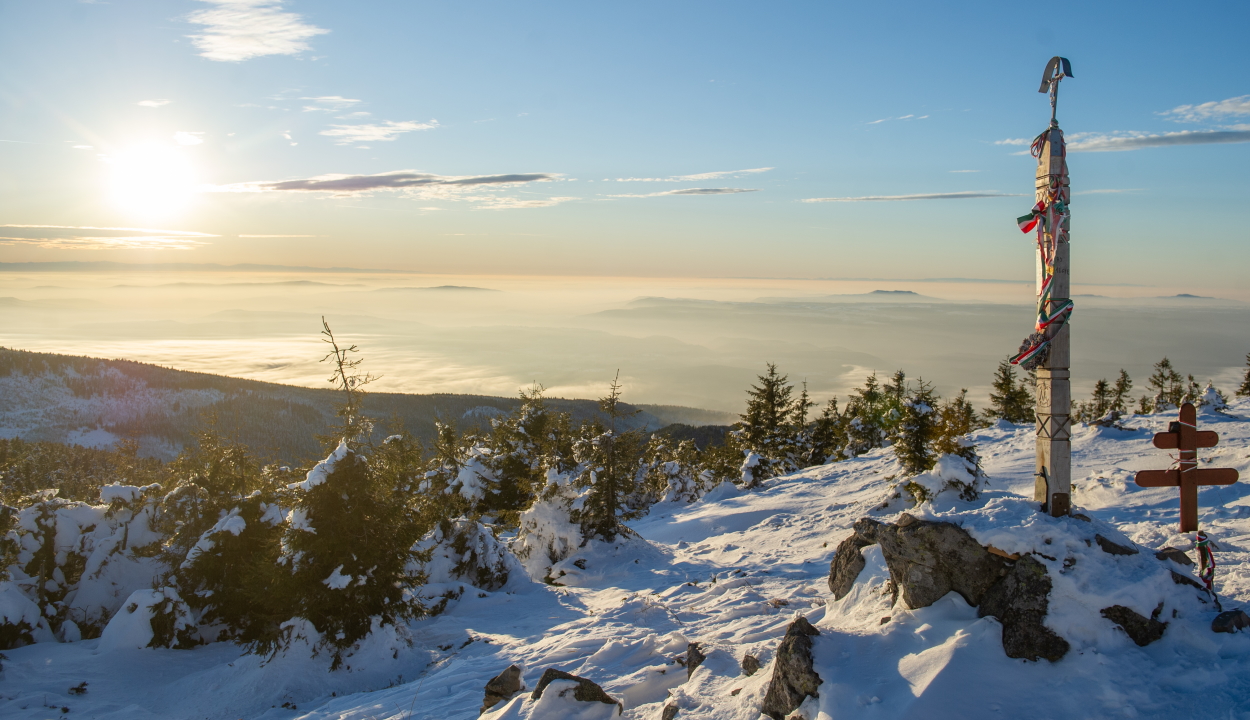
x=1187, y=438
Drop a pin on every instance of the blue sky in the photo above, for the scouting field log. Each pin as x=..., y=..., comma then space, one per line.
x=670, y=139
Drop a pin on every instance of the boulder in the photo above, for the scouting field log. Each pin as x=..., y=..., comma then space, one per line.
x=1141, y=630
x=586, y=690
x=847, y=561
x=1113, y=548
x=694, y=658
x=502, y=687
x=1020, y=601
x=669, y=712
x=750, y=665
x=929, y=559
x=794, y=677
x=1230, y=621
x=1175, y=555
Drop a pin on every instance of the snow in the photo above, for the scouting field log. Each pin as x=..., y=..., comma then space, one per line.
x=322, y=470
x=337, y=580
x=731, y=571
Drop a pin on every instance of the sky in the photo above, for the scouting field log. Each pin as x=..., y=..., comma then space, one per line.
x=694, y=139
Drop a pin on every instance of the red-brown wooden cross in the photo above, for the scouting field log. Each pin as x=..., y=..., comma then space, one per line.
x=1187, y=438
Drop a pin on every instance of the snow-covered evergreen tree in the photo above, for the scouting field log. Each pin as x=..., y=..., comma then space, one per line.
x=1168, y=385
x=917, y=430
x=1009, y=400
x=521, y=448
x=672, y=471
x=1244, y=389
x=610, y=470
x=826, y=438
x=1120, y=393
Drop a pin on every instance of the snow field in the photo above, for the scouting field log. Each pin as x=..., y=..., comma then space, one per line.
x=730, y=572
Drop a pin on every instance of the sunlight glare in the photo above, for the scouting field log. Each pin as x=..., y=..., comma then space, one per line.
x=152, y=180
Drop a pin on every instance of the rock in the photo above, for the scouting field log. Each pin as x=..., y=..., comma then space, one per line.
x=670, y=712
x=502, y=687
x=694, y=658
x=929, y=559
x=586, y=690
x=1112, y=547
x=1175, y=555
x=794, y=678
x=1230, y=621
x=1020, y=601
x=750, y=665
x=1142, y=630
x=1183, y=580
x=848, y=562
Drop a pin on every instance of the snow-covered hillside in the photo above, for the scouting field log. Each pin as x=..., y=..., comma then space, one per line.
x=731, y=572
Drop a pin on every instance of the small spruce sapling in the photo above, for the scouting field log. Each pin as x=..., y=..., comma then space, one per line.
x=1244, y=389
x=611, y=468
x=1009, y=400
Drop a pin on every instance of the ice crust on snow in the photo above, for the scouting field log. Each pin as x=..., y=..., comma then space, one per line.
x=731, y=571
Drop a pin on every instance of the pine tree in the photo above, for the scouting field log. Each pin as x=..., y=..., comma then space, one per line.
x=1244, y=390
x=611, y=466
x=1119, y=393
x=770, y=432
x=917, y=430
x=1009, y=400
x=827, y=437
x=866, y=425
x=522, y=448
x=1168, y=386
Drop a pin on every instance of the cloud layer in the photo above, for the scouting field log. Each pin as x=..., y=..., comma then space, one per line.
x=397, y=180
x=236, y=30
x=1137, y=140
x=378, y=132
x=927, y=196
x=71, y=237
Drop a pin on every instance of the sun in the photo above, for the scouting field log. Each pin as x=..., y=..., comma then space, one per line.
x=151, y=180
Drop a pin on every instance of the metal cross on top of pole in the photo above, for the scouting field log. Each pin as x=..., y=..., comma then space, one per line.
x=1047, y=350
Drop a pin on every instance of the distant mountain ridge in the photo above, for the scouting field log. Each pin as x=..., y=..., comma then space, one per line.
x=95, y=402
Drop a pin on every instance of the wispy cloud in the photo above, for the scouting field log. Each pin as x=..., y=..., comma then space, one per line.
x=153, y=103
x=699, y=176
x=397, y=180
x=73, y=237
x=378, y=132
x=236, y=30
x=693, y=191
x=900, y=117
x=927, y=196
x=1013, y=141
x=188, y=138
x=329, y=103
x=280, y=236
x=1115, y=142
x=494, y=203
x=1214, y=110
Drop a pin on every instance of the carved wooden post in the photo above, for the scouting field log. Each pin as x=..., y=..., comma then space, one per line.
x=1054, y=391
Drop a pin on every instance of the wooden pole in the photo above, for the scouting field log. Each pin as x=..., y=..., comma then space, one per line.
x=1054, y=393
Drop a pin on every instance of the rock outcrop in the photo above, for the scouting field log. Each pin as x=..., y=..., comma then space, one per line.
x=1113, y=548
x=847, y=560
x=1142, y=630
x=694, y=658
x=585, y=691
x=1175, y=555
x=502, y=688
x=1230, y=621
x=750, y=665
x=1020, y=601
x=794, y=677
x=926, y=560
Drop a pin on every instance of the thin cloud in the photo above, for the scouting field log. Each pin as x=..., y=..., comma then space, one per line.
x=73, y=237
x=153, y=103
x=329, y=103
x=188, y=138
x=379, y=132
x=699, y=176
x=1214, y=110
x=1013, y=141
x=927, y=196
x=693, y=191
x=280, y=236
x=912, y=116
x=237, y=30
x=1118, y=142
x=397, y=180
x=518, y=204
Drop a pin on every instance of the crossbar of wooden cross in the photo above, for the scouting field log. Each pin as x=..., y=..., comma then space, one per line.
x=1184, y=435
